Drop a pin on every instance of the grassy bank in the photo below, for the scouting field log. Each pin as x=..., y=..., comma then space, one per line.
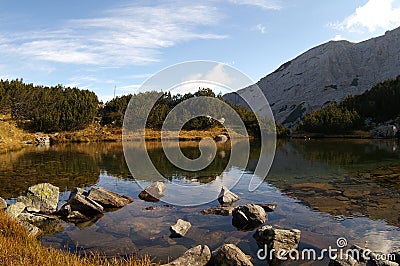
x=18, y=248
x=11, y=137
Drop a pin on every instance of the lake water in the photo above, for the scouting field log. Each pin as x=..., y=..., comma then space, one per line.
x=326, y=188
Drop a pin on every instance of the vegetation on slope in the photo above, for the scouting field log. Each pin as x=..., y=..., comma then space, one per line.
x=17, y=247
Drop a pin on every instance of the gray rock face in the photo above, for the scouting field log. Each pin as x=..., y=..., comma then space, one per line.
x=231, y=255
x=48, y=224
x=180, y=228
x=219, y=210
x=328, y=72
x=32, y=230
x=153, y=192
x=80, y=206
x=3, y=204
x=248, y=217
x=15, y=209
x=41, y=198
x=196, y=256
x=277, y=240
x=227, y=197
x=107, y=198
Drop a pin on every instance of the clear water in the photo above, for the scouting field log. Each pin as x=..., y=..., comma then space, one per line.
x=325, y=188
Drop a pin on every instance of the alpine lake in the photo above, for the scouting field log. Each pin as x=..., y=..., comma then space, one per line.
x=328, y=189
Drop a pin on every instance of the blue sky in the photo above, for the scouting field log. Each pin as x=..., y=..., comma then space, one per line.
x=99, y=44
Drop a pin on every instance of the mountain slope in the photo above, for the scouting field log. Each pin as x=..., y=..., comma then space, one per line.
x=328, y=72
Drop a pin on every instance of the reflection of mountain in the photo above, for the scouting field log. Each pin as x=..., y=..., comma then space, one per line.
x=65, y=168
x=341, y=177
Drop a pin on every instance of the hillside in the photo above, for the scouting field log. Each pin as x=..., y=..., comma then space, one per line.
x=326, y=73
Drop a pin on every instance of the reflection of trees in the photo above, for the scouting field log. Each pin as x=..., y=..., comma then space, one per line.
x=65, y=168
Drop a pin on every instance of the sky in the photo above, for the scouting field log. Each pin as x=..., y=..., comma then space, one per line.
x=100, y=45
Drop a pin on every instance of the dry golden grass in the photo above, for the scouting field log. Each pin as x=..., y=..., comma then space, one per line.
x=11, y=137
x=18, y=248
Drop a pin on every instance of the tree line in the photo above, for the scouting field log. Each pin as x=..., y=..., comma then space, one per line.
x=379, y=104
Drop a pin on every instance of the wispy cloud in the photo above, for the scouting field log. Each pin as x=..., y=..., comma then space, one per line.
x=374, y=15
x=261, y=28
x=264, y=4
x=126, y=35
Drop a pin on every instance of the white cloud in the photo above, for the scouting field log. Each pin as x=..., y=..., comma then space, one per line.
x=374, y=15
x=126, y=35
x=261, y=28
x=264, y=4
x=337, y=37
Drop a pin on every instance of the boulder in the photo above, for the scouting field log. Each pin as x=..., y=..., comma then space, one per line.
x=77, y=190
x=3, y=204
x=196, y=256
x=47, y=223
x=385, y=131
x=33, y=231
x=107, y=198
x=231, y=255
x=227, y=197
x=153, y=192
x=219, y=210
x=42, y=140
x=180, y=228
x=15, y=209
x=79, y=204
x=221, y=138
x=267, y=207
x=41, y=198
x=279, y=240
x=248, y=217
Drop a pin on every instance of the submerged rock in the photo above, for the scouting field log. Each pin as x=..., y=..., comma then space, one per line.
x=248, y=217
x=153, y=192
x=227, y=197
x=196, y=256
x=279, y=240
x=107, y=198
x=219, y=210
x=3, y=204
x=41, y=198
x=180, y=228
x=15, y=209
x=231, y=255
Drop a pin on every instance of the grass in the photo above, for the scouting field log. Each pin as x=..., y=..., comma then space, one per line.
x=18, y=248
x=11, y=137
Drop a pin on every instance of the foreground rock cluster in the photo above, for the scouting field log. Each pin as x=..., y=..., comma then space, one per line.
x=37, y=208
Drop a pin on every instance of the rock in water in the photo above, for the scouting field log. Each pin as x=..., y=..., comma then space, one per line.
x=180, y=228
x=32, y=230
x=107, y=198
x=279, y=240
x=81, y=204
x=226, y=197
x=41, y=198
x=197, y=256
x=231, y=255
x=248, y=217
x=3, y=204
x=219, y=210
x=15, y=209
x=154, y=192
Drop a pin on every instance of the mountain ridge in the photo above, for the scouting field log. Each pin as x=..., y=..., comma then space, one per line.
x=325, y=73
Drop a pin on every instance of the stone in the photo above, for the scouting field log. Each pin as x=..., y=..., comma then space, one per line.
x=15, y=209
x=385, y=131
x=48, y=224
x=3, y=204
x=219, y=210
x=231, y=255
x=42, y=140
x=221, y=138
x=108, y=199
x=227, y=197
x=41, y=198
x=180, y=228
x=196, y=256
x=153, y=192
x=267, y=207
x=33, y=231
x=76, y=191
x=278, y=240
x=248, y=217
x=83, y=205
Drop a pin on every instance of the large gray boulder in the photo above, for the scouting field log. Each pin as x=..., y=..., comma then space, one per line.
x=180, y=228
x=48, y=224
x=279, y=240
x=196, y=256
x=33, y=230
x=248, y=217
x=227, y=197
x=80, y=206
x=15, y=209
x=231, y=255
x=41, y=198
x=153, y=192
x=108, y=199
x=3, y=204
